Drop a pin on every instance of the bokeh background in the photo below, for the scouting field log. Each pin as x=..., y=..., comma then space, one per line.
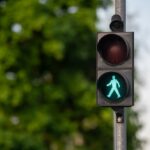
x=47, y=76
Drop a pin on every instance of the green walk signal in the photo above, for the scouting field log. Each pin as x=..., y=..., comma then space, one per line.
x=112, y=86
x=115, y=69
x=114, y=82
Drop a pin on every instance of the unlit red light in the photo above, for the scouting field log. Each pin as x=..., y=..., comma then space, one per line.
x=113, y=49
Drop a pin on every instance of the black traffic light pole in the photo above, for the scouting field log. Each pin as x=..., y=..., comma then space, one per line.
x=119, y=112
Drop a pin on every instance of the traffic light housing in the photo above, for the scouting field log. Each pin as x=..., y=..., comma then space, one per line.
x=115, y=68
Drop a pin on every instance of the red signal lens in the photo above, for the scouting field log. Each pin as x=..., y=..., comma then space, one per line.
x=113, y=49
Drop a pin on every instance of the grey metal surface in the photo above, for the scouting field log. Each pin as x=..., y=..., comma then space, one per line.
x=120, y=132
x=120, y=9
x=120, y=127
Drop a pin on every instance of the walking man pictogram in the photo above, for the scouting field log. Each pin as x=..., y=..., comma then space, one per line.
x=114, y=87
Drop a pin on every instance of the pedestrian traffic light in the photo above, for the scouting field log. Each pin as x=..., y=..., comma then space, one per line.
x=114, y=68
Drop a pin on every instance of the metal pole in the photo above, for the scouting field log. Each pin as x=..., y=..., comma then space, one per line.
x=119, y=113
x=119, y=129
x=120, y=9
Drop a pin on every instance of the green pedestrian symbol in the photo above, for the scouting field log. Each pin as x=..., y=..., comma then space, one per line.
x=112, y=86
x=115, y=85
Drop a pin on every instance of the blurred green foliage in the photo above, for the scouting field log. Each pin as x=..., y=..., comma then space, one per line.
x=47, y=77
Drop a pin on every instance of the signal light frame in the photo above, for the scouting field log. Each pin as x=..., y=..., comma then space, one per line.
x=125, y=69
x=129, y=63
